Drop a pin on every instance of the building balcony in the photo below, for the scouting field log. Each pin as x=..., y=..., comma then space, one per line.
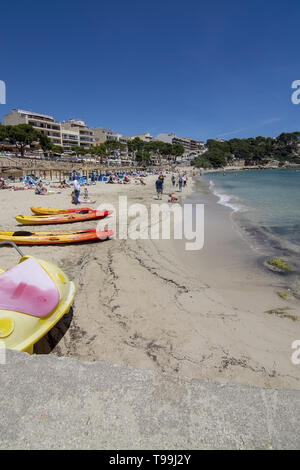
x=86, y=141
x=40, y=119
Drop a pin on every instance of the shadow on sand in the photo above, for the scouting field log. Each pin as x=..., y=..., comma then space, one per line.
x=46, y=344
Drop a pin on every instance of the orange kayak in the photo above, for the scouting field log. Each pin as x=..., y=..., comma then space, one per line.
x=55, y=237
x=62, y=218
x=46, y=211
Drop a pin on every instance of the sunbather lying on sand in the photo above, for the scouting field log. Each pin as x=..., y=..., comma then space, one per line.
x=40, y=189
x=63, y=185
x=3, y=185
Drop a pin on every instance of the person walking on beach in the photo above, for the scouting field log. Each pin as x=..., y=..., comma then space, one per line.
x=184, y=178
x=76, y=190
x=162, y=178
x=159, y=187
x=180, y=181
x=173, y=180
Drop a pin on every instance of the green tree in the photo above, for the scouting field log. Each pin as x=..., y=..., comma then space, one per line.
x=21, y=136
x=45, y=142
x=99, y=151
x=112, y=145
x=135, y=145
x=201, y=162
x=217, y=160
x=58, y=149
x=3, y=133
x=142, y=156
x=80, y=150
x=177, y=151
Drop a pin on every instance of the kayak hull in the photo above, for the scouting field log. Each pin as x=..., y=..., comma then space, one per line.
x=55, y=237
x=62, y=218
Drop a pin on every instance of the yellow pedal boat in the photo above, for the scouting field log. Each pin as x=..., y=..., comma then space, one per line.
x=34, y=296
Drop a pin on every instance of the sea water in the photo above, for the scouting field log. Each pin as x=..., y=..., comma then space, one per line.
x=265, y=204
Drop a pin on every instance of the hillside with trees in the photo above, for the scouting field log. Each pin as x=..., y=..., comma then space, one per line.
x=142, y=151
x=253, y=151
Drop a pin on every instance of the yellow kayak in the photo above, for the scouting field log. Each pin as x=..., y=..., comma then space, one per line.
x=34, y=296
x=62, y=218
x=48, y=211
x=54, y=237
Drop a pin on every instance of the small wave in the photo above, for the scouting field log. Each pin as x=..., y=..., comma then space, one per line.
x=225, y=199
x=263, y=238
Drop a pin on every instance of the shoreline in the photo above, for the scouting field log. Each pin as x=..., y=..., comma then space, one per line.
x=262, y=240
x=246, y=168
x=140, y=303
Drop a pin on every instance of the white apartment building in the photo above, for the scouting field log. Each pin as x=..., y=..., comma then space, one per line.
x=190, y=145
x=41, y=122
x=101, y=135
x=144, y=137
x=66, y=134
x=118, y=138
x=85, y=134
x=70, y=138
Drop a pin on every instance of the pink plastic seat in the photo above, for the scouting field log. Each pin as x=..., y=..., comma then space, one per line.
x=27, y=288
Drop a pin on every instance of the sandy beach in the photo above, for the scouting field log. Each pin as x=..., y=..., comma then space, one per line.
x=151, y=304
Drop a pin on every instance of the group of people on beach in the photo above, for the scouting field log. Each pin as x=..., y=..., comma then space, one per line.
x=159, y=184
x=112, y=179
x=38, y=187
x=181, y=181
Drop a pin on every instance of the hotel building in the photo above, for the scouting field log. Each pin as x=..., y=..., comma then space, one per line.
x=85, y=135
x=67, y=134
x=144, y=137
x=41, y=122
x=190, y=145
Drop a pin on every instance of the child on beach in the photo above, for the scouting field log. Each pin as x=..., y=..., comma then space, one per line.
x=173, y=198
x=85, y=194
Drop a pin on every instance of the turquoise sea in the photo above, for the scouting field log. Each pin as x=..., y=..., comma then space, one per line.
x=265, y=203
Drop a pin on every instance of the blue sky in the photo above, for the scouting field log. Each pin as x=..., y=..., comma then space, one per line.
x=197, y=68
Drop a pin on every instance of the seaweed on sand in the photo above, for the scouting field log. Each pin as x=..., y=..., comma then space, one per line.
x=279, y=264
